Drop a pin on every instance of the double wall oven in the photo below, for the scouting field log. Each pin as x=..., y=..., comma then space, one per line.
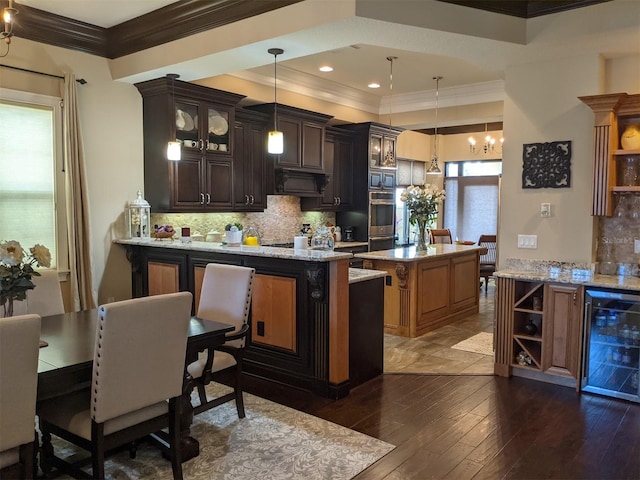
x=381, y=220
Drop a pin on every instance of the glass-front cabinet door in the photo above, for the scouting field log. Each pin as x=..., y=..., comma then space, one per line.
x=612, y=344
x=217, y=130
x=202, y=128
x=375, y=150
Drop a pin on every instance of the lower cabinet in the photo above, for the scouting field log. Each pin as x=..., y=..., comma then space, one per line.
x=273, y=314
x=562, y=335
x=539, y=330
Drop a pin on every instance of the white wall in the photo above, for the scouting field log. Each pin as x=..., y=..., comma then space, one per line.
x=542, y=106
x=111, y=117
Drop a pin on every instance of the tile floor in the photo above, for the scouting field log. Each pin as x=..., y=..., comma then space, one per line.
x=432, y=353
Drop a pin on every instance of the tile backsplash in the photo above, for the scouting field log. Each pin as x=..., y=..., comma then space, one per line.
x=280, y=222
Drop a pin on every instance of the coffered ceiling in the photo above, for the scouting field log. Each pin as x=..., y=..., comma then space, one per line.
x=114, y=28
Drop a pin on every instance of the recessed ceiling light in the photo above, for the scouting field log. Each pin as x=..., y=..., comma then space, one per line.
x=326, y=68
x=374, y=85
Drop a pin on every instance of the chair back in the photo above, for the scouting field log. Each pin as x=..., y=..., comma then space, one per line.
x=45, y=299
x=19, y=345
x=490, y=243
x=440, y=235
x=226, y=295
x=139, y=355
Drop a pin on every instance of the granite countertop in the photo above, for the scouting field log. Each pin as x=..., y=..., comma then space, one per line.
x=351, y=244
x=362, y=274
x=271, y=252
x=409, y=254
x=564, y=272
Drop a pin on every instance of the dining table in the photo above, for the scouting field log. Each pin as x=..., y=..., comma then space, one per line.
x=65, y=361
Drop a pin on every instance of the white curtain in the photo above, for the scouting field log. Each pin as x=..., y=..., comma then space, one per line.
x=77, y=202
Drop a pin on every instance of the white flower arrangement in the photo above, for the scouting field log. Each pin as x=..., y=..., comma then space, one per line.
x=422, y=202
x=16, y=270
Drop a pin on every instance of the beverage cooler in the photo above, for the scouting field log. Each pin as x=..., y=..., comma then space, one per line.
x=612, y=344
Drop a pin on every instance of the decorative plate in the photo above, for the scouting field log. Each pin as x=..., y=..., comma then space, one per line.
x=217, y=124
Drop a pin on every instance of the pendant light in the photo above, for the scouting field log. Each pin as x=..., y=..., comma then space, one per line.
x=174, y=152
x=434, y=168
x=275, y=144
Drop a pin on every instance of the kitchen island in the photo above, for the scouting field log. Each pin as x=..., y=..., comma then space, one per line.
x=300, y=321
x=426, y=290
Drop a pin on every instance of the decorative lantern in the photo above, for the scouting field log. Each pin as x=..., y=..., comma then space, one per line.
x=138, y=218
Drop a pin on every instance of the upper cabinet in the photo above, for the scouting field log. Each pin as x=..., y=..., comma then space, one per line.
x=300, y=169
x=202, y=119
x=617, y=149
x=338, y=162
x=249, y=185
x=375, y=152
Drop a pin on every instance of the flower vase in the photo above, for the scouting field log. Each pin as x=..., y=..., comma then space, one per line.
x=422, y=237
x=8, y=307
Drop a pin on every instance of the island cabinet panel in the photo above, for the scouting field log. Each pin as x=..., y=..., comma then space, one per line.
x=273, y=312
x=163, y=278
x=164, y=272
x=562, y=335
x=464, y=282
x=433, y=293
x=424, y=291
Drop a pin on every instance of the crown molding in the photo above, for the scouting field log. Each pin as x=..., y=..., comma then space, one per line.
x=174, y=21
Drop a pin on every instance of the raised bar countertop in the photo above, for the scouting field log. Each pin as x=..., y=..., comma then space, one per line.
x=409, y=254
x=271, y=252
x=362, y=274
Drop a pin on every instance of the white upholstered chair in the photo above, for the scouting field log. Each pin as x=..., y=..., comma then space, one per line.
x=45, y=299
x=225, y=297
x=138, y=365
x=19, y=343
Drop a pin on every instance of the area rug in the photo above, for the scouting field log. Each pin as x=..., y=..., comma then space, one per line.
x=479, y=343
x=272, y=442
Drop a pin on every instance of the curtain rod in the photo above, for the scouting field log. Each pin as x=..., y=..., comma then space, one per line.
x=81, y=81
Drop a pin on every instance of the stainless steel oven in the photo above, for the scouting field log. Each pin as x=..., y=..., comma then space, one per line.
x=382, y=207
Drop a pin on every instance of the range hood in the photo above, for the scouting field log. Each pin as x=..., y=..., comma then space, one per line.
x=300, y=183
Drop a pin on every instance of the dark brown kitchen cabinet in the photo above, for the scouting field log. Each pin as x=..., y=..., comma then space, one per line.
x=304, y=135
x=382, y=180
x=202, y=120
x=249, y=186
x=338, y=162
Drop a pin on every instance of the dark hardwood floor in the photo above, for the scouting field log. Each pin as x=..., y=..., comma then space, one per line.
x=481, y=427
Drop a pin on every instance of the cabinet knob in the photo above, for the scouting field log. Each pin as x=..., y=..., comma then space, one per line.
x=208, y=199
x=339, y=200
x=202, y=199
x=252, y=199
x=246, y=199
x=201, y=145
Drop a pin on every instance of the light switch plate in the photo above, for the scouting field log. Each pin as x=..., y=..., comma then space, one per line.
x=527, y=241
x=636, y=246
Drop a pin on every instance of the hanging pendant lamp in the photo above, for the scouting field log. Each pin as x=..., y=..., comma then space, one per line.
x=434, y=168
x=174, y=151
x=275, y=144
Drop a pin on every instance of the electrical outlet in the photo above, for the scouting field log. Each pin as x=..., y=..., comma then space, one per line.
x=636, y=246
x=527, y=241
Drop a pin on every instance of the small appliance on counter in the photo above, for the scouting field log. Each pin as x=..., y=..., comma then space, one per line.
x=349, y=234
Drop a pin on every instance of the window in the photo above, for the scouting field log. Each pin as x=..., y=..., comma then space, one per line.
x=32, y=181
x=471, y=205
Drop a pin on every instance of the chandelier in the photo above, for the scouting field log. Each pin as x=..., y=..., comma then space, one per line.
x=491, y=145
x=275, y=142
x=8, y=14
